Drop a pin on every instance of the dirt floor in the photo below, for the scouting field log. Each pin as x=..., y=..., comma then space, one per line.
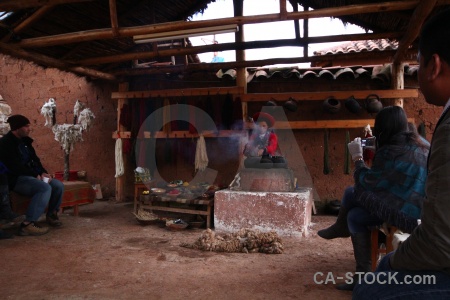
x=105, y=254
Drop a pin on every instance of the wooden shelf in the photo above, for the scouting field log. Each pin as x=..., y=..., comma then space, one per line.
x=184, y=134
x=319, y=124
x=234, y=90
x=321, y=96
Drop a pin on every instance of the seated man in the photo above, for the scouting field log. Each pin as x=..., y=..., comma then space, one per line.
x=28, y=177
x=262, y=150
x=7, y=217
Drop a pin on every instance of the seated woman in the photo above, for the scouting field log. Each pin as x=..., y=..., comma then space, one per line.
x=392, y=190
x=262, y=150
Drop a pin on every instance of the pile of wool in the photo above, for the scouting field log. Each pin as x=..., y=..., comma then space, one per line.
x=244, y=241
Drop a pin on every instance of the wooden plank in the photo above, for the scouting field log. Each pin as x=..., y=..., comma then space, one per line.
x=317, y=124
x=421, y=12
x=89, y=35
x=320, y=96
x=174, y=209
x=234, y=90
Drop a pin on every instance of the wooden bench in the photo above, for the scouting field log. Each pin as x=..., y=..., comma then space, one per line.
x=151, y=202
x=75, y=193
x=389, y=231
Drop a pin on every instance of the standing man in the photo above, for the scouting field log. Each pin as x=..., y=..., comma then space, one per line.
x=28, y=177
x=421, y=264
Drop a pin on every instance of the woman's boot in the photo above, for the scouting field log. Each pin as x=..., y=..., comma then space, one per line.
x=338, y=229
x=362, y=252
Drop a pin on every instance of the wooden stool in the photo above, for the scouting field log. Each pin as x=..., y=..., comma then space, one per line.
x=389, y=231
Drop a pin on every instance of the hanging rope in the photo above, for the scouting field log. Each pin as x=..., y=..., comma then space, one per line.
x=119, y=158
x=201, y=156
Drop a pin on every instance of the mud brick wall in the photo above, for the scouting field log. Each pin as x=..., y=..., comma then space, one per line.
x=26, y=87
x=287, y=213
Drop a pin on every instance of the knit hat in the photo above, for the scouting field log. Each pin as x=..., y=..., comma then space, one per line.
x=262, y=116
x=17, y=121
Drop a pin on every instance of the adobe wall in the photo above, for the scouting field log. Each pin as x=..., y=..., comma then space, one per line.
x=26, y=87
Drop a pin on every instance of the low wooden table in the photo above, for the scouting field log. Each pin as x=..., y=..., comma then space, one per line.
x=149, y=201
x=138, y=189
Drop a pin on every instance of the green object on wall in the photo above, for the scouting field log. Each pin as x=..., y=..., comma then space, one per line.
x=421, y=130
x=347, y=153
x=326, y=158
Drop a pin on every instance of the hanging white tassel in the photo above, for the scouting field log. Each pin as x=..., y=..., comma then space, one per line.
x=201, y=156
x=85, y=118
x=48, y=110
x=119, y=158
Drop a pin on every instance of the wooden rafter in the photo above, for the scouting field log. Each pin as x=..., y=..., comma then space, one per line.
x=113, y=15
x=235, y=46
x=40, y=13
x=419, y=16
x=97, y=34
x=387, y=55
x=52, y=62
x=11, y=5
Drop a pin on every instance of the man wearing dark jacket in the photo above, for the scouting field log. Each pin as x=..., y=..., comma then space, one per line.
x=8, y=218
x=28, y=177
x=420, y=267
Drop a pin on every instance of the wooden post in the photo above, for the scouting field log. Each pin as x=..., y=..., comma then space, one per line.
x=398, y=81
x=123, y=87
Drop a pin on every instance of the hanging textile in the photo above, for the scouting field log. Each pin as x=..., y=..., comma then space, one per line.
x=201, y=156
x=119, y=158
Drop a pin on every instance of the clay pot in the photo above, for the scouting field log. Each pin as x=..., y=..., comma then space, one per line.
x=331, y=105
x=373, y=104
x=270, y=103
x=352, y=105
x=291, y=105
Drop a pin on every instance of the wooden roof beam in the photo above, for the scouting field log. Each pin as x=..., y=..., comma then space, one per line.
x=422, y=11
x=213, y=67
x=40, y=13
x=13, y=5
x=51, y=62
x=96, y=34
x=113, y=16
x=235, y=46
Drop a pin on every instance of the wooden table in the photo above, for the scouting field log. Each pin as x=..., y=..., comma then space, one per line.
x=205, y=205
x=138, y=189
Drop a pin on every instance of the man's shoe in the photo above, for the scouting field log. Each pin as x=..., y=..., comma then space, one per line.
x=53, y=220
x=5, y=235
x=32, y=229
x=12, y=223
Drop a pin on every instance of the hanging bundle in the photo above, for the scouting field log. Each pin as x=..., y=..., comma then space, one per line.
x=201, y=156
x=119, y=158
x=48, y=110
x=76, y=110
x=67, y=135
x=85, y=118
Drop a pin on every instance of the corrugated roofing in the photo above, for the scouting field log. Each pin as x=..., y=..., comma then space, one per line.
x=360, y=46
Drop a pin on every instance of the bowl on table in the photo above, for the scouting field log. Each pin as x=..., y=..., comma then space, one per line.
x=158, y=191
x=176, y=225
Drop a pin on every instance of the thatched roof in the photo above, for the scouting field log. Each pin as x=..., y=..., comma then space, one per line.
x=95, y=37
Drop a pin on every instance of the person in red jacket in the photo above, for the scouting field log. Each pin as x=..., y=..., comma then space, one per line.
x=262, y=150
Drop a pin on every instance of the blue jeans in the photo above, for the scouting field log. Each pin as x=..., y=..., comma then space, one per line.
x=371, y=288
x=358, y=219
x=42, y=194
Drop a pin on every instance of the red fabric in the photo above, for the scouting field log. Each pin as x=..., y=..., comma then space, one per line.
x=272, y=143
x=368, y=154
